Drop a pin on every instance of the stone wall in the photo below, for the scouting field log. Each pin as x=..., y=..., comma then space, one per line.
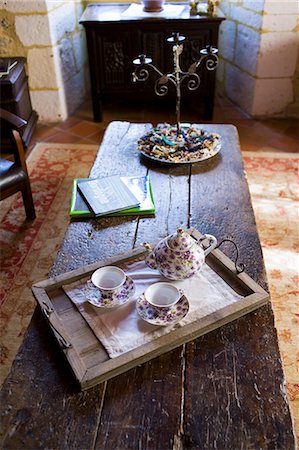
x=258, y=45
x=47, y=33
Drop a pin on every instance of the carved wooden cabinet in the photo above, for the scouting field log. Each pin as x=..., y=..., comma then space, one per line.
x=114, y=40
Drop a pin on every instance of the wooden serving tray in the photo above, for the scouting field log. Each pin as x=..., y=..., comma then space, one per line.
x=87, y=357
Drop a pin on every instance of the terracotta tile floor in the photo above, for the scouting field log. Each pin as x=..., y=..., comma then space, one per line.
x=279, y=135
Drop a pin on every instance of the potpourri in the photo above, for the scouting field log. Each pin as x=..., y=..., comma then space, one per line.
x=190, y=145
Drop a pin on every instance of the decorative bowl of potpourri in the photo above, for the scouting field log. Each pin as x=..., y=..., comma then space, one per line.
x=188, y=145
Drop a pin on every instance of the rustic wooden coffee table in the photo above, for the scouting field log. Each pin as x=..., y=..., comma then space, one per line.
x=222, y=390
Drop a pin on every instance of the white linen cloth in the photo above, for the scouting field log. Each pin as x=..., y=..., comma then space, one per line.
x=169, y=12
x=121, y=329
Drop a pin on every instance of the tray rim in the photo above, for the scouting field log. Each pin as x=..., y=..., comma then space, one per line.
x=89, y=377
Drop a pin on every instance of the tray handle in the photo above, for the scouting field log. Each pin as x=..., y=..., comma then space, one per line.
x=240, y=267
x=47, y=311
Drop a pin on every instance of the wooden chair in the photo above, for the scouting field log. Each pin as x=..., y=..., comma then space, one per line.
x=13, y=174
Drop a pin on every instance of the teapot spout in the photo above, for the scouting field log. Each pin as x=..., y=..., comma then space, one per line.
x=150, y=259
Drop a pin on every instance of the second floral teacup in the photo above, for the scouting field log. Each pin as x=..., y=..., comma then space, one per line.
x=162, y=295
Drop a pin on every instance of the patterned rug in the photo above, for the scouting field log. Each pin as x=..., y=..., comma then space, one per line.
x=273, y=184
x=28, y=250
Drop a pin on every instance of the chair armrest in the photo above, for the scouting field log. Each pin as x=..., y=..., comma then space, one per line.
x=14, y=121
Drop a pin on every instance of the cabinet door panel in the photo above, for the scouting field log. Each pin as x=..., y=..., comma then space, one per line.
x=114, y=62
x=152, y=44
x=114, y=54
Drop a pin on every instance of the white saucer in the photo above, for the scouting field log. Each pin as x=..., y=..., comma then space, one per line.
x=95, y=297
x=162, y=317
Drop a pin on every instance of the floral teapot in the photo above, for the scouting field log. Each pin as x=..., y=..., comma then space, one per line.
x=179, y=255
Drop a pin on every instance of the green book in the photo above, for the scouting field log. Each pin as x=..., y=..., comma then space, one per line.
x=139, y=186
x=107, y=195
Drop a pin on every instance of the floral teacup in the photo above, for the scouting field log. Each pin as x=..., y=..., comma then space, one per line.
x=162, y=304
x=109, y=287
x=162, y=295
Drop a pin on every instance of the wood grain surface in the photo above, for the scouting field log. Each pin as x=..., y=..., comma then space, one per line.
x=224, y=390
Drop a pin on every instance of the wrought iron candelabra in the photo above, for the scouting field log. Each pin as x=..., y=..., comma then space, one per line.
x=208, y=55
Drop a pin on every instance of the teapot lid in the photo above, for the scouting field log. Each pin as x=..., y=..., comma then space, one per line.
x=180, y=240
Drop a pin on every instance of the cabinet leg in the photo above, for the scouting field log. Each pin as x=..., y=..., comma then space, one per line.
x=208, y=109
x=97, y=110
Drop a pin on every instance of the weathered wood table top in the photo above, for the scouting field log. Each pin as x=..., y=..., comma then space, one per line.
x=224, y=390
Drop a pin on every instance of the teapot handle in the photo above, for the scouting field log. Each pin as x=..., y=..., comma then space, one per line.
x=212, y=243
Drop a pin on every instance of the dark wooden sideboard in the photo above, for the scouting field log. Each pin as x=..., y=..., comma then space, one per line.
x=15, y=98
x=114, y=40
